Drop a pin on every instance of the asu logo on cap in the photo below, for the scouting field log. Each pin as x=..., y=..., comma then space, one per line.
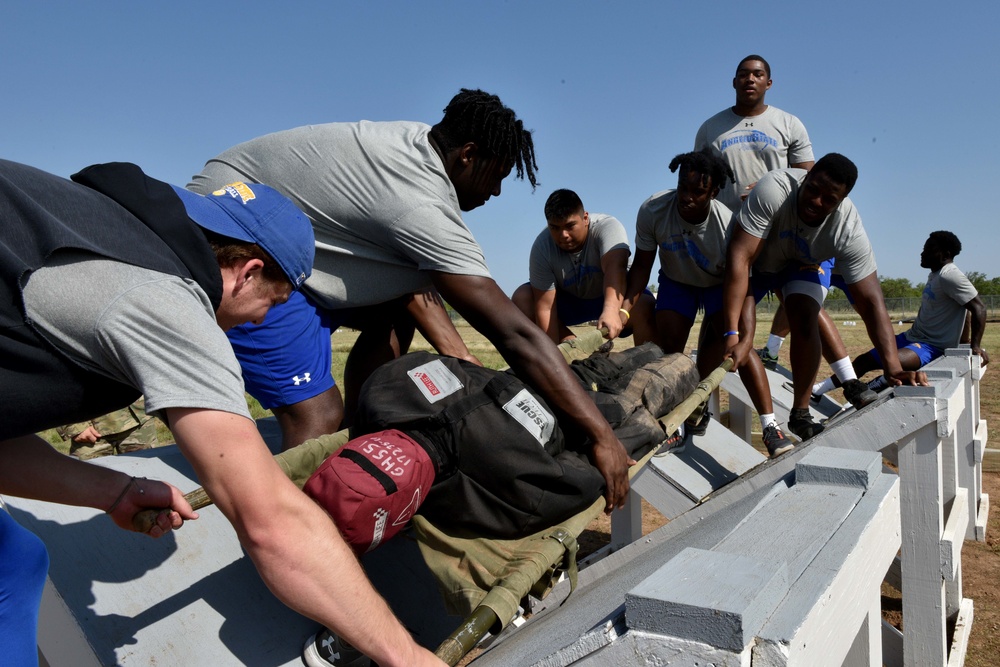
x=238, y=189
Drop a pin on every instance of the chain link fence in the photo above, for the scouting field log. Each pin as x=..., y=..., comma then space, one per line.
x=903, y=308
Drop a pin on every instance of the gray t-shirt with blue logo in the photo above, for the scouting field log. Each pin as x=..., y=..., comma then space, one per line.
x=941, y=317
x=578, y=273
x=753, y=146
x=689, y=254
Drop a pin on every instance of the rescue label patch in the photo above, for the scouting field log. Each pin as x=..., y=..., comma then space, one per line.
x=435, y=381
x=531, y=415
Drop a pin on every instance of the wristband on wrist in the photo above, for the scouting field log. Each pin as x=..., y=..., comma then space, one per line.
x=730, y=333
x=625, y=313
x=131, y=482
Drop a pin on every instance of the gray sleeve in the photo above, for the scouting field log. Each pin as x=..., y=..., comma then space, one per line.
x=958, y=287
x=758, y=210
x=799, y=146
x=437, y=239
x=611, y=235
x=645, y=228
x=540, y=271
x=163, y=339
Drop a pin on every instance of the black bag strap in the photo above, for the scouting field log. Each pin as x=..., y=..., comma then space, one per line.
x=490, y=393
x=377, y=473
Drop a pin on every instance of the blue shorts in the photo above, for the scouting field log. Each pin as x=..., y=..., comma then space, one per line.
x=287, y=358
x=685, y=299
x=814, y=280
x=22, y=578
x=925, y=352
x=574, y=310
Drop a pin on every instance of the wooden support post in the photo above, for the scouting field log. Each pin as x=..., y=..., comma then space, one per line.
x=922, y=522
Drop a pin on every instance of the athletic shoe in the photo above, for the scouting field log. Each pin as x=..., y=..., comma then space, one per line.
x=815, y=398
x=770, y=362
x=325, y=649
x=801, y=423
x=697, y=426
x=879, y=384
x=858, y=394
x=775, y=441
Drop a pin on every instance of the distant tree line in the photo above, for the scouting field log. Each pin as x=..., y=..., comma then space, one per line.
x=901, y=288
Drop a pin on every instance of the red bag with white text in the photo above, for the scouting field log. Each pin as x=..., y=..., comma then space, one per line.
x=372, y=486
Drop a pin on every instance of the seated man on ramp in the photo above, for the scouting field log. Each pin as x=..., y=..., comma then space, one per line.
x=948, y=296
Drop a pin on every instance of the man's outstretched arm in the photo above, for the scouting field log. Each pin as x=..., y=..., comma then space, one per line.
x=870, y=304
x=614, y=265
x=977, y=310
x=294, y=544
x=536, y=360
x=740, y=255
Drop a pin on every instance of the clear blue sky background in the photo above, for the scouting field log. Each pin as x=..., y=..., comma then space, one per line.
x=613, y=91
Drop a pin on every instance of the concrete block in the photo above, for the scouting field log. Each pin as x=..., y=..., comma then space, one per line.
x=843, y=467
x=716, y=598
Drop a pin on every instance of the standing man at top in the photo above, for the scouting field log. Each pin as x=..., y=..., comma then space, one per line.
x=577, y=270
x=752, y=137
x=791, y=223
x=386, y=201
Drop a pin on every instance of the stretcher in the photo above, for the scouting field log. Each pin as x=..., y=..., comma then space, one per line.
x=484, y=580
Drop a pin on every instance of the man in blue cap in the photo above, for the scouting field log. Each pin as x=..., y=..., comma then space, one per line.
x=117, y=285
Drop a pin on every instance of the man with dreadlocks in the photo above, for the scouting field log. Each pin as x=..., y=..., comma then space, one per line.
x=691, y=230
x=385, y=199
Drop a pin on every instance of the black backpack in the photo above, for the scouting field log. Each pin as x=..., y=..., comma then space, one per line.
x=505, y=466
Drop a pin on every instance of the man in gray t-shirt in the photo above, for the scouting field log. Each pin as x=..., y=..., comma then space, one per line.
x=386, y=203
x=752, y=137
x=792, y=222
x=124, y=285
x=576, y=270
x=948, y=296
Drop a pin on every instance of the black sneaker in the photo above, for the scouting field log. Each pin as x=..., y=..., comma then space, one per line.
x=814, y=398
x=770, y=362
x=325, y=649
x=801, y=423
x=775, y=441
x=879, y=384
x=697, y=426
x=858, y=394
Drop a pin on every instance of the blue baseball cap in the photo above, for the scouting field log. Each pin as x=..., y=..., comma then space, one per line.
x=257, y=214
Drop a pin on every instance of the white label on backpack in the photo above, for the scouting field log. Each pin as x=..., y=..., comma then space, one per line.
x=435, y=381
x=526, y=409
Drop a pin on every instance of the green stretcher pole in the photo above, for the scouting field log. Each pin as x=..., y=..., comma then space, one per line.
x=483, y=618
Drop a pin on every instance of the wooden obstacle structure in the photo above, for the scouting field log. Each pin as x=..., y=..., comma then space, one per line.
x=701, y=590
x=765, y=562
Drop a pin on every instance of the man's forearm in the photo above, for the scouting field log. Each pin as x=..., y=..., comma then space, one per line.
x=433, y=322
x=294, y=544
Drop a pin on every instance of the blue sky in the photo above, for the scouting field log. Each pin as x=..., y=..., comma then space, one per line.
x=612, y=90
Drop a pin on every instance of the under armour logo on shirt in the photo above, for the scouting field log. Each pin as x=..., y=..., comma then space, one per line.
x=747, y=124
x=299, y=380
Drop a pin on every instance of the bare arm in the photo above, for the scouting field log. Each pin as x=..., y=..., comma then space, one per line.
x=546, y=315
x=740, y=255
x=977, y=309
x=614, y=264
x=294, y=544
x=431, y=317
x=638, y=276
x=870, y=304
x=537, y=361
x=31, y=468
x=803, y=165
